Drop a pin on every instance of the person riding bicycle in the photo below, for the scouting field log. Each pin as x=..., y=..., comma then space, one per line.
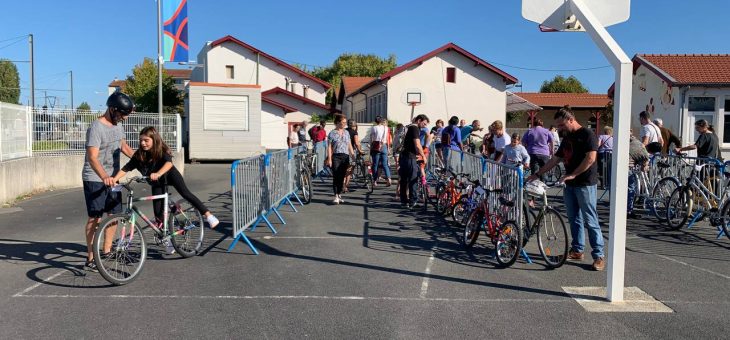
x=104, y=143
x=153, y=160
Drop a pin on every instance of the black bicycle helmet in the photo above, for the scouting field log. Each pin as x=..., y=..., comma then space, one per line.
x=121, y=102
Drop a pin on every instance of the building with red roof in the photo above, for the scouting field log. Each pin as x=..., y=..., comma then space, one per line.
x=681, y=89
x=585, y=106
x=444, y=82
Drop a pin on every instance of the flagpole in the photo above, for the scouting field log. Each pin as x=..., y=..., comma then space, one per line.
x=160, y=61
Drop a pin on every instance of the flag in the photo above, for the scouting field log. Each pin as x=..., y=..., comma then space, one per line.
x=175, y=30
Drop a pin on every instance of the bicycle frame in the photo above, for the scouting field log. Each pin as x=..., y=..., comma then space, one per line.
x=134, y=211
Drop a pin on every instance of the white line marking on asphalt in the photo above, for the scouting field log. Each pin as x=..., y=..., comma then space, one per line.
x=289, y=297
x=427, y=275
x=21, y=294
x=682, y=262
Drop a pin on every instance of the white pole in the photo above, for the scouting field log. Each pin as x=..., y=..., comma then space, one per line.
x=620, y=167
x=160, y=61
x=1, y=131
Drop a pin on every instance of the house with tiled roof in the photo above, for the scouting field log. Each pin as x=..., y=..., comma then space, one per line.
x=445, y=82
x=180, y=77
x=260, y=95
x=681, y=89
x=585, y=106
x=347, y=86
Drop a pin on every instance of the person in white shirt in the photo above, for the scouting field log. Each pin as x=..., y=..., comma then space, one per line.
x=501, y=139
x=650, y=135
x=293, y=140
x=379, y=149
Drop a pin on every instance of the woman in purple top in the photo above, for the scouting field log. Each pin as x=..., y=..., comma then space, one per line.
x=539, y=143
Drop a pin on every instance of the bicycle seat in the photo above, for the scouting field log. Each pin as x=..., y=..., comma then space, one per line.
x=663, y=165
x=505, y=202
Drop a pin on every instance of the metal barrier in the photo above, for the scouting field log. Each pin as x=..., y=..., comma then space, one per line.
x=28, y=132
x=260, y=186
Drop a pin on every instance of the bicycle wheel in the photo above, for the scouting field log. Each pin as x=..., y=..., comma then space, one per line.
x=305, y=186
x=679, y=208
x=423, y=196
x=461, y=211
x=552, y=238
x=471, y=230
x=509, y=243
x=187, y=229
x=127, y=249
x=553, y=176
x=725, y=218
x=660, y=197
x=442, y=201
x=369, y=183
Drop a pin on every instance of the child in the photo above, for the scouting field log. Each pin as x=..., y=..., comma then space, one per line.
x=515, y=153
x=153, y=160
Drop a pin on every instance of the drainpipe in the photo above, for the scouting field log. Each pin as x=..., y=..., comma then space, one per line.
x=258, y=62
x=352, y=108
x=682, y=113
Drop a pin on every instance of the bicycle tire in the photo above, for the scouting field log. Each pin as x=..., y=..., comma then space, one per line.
x=369, y=183
x=660, y=196
x=679, y=208
x=471, y=230
x=552, y=238
x=111, y=266
x=187, y=230
x=460, y=208
x=423, y=192
x=305, y=186
x=442, y=201
x=725, y=218
x=509, y=244
x=553, y=176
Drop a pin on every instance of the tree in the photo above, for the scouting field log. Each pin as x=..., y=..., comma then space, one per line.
x=142, y=87
x=84, y=106
x=560, y=84
x=353, y=65
x=9, y=82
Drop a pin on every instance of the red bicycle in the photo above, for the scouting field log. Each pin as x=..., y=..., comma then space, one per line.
x=505, y=236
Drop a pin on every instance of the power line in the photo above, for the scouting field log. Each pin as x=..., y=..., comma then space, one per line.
x=550, y=70
x=27, y=88
x=12, y=43
x=13, y=38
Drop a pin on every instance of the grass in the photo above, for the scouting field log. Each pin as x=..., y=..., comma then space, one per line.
x=46, y=145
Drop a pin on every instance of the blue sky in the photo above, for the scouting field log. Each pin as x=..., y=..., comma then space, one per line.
x=100, y=40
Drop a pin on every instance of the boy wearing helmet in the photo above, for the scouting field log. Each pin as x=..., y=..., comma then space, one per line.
x=104, y=142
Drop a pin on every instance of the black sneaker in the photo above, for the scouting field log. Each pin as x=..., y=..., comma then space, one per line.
x=91, y=267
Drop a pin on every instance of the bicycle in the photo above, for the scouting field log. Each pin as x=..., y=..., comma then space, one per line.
x=449, y=192
x=122, y=264
x=548, y=225
x=363, y=172
x=506, y=236
x=303, y=178
x=681, y=203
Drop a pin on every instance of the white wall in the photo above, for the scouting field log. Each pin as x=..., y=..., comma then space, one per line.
x=478, y=93
x=244, y=63
x=274, y=128
x=650, y=93
x=305, y=110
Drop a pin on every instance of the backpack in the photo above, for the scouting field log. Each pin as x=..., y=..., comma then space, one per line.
x=446, y=136
x=401, y=140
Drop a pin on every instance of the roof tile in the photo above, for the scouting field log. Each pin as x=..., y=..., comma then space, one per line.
x=575, y=100
x=689, y=69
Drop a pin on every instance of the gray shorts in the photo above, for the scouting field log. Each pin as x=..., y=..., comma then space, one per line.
x=100, y=199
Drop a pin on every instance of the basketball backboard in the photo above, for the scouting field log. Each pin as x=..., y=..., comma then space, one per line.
x=557, y=15
x=412, y=96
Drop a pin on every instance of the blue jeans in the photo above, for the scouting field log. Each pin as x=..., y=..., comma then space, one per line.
x=408, y=179
x=380, y=158
x=580, y=204
x=632, y=193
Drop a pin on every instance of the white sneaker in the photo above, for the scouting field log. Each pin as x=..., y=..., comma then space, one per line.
x=168, y=246
x=340, y=199
x=336, y=200
x=212, y=221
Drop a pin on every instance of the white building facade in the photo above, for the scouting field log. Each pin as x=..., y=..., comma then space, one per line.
x=448, y=81
x=682, y=89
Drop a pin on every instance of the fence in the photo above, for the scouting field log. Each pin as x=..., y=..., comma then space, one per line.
x=29, y=132
x=492, y=175
x=260, y=186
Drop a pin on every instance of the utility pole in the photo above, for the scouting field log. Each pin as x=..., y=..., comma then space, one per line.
x=32, y=72
x=72, y=89
x=160, y=60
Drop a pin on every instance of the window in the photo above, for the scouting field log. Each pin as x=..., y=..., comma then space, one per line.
x=225, y=113
x=703, y=104
x=726, y=130
x=451, y=74
x=229, y=71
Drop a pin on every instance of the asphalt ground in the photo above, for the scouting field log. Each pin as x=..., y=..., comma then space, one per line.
x=363, y=269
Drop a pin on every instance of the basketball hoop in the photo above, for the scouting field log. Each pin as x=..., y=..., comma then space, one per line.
x=414, y=103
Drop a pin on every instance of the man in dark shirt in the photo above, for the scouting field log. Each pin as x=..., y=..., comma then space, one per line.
x=707, y=144
x=668, y=136
x=408, y=171
x=578, y=153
